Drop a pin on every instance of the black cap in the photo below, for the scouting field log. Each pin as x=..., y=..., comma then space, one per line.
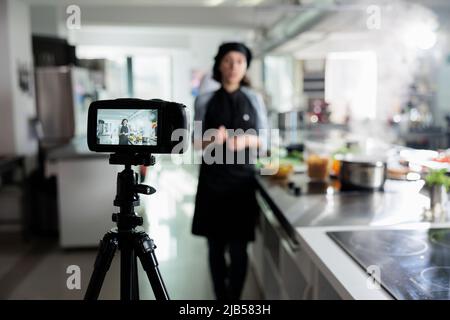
x=223, y=50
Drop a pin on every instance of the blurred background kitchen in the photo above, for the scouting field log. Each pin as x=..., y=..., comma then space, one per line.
x=364, y=77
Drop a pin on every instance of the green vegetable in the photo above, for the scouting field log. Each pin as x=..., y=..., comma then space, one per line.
x=342, y=150
x=439, y=178
x=295, y=155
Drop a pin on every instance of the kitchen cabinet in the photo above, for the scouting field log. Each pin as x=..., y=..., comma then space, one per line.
x=86, y=189
x=322, y=288
x=295, y=271
x=86, y=186
x=265, y=254
x=283, y=269
x=12, y=174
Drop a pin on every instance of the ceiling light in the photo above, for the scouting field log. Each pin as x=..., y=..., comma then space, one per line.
x=214, y=3
x=250, y=3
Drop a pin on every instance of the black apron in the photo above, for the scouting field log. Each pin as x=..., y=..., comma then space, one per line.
x=225, y=204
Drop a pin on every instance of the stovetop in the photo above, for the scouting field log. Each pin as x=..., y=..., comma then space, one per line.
x=413, y=264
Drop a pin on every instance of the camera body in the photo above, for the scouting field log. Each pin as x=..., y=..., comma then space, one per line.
x=137, y=126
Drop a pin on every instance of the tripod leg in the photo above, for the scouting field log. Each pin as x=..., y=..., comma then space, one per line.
x=127, y=269
x=108, y=246
x=145, y=250
x=135, y=292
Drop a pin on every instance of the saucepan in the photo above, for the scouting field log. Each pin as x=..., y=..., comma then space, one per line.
x=363, y=172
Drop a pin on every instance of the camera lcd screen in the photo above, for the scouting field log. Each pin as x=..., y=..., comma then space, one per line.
x=132, y=127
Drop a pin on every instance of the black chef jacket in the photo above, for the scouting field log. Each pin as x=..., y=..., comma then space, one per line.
x=225, y=205
x=123, y=139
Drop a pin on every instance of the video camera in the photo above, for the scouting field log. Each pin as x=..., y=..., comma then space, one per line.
x=136, y=126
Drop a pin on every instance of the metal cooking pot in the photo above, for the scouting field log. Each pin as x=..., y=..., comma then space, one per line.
x=363, y=173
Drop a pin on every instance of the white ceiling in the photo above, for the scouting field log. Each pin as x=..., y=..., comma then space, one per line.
x=345, y=16
x=244, y=14
x=170, y=3
x=226, y=17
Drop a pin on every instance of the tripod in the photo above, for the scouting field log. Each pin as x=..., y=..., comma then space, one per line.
x=132, y=243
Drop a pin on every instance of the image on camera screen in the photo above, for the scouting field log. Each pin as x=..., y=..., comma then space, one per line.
x=127, y=127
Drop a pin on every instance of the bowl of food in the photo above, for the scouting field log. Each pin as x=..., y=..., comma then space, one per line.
x=284, y=171
x=280, y=170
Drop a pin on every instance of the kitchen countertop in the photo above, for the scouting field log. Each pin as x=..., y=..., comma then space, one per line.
x=76, y=149
x=400, y=202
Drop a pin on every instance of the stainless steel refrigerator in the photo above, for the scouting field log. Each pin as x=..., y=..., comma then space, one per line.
x=63, y=96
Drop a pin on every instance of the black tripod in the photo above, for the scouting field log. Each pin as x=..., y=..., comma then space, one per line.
x=131, y=242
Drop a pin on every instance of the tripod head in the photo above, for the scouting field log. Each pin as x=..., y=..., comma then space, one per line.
x=132, y=159
x=128, y=189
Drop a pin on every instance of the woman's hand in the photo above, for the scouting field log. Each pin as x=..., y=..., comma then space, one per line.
x=243, y=141
x=220, y=137
x=235, y=143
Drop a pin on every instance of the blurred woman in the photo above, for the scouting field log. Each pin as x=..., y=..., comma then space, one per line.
x=225, y=206
x=124, y=132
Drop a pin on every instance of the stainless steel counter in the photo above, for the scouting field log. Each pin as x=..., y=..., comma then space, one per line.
x=400, y=202
x=76, y=149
